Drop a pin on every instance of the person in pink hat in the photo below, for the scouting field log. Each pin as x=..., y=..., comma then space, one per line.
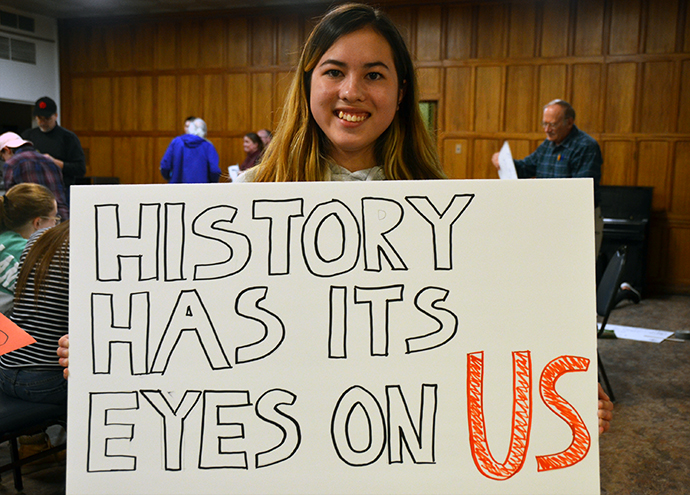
x=24, y=164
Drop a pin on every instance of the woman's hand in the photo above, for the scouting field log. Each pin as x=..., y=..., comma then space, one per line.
x=63, y=353
x=605, y=412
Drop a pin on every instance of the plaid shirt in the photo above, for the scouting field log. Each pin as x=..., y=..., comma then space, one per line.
x=28, y=166
x=577, y=156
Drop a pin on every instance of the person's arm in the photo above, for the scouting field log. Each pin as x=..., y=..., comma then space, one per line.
x=213, y=169
x=166, y=162
x=527, y=167
x=8, y=176
x=74, y=165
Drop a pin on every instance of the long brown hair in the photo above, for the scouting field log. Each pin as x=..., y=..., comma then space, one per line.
x=40, y=257
x=24, y=202
x=298, y=151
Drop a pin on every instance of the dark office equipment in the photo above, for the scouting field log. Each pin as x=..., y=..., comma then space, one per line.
x=626, y=211
x=607, y=290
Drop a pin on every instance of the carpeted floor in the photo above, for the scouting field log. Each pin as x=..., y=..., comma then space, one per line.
x=647, y=450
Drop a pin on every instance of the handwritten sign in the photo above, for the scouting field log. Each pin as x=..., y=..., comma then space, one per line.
x=342, y=338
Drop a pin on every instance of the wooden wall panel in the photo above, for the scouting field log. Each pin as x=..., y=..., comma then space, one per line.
x=620, y=97
x=455, y=153
x=188, y=45
x=652, y=170
x=458, y=99
x=165, y=47
x=661, y=27
x=428, y=46
x=145, y=117
x=144, y=41
x=625, y=26
x=215, y=102
x=481, y=167
x=142, y=160
x=492, y=30
x=101, y=98
x=238, y=42
x=120, y=43
x=680, y=196
x=125, y=108
x=556, y=19
x=552, y=85
x=262, y=42
x=262, y=101
x=587, y=96
x=590, y=27
x=123, y=150
x=618, y=167
x=239, y=101
x=658, y=98
x=288, y=40
x=101, y=157
x=190, y=100
x=487, y=115
x=212, y=43
x=167, y=118
x=684, y=104
x=521, y=105
x=429, y=84
x=79, y=104
x=522, y=40
x=459, y=32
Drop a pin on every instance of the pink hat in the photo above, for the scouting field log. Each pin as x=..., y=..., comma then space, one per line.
x=12, y=140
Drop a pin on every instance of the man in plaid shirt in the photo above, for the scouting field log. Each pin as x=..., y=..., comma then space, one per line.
x=566, y=152
x=24, y=164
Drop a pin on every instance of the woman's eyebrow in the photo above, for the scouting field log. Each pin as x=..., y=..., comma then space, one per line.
x=339, y=63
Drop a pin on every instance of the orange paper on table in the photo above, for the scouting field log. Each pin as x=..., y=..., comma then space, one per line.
x=11, y=336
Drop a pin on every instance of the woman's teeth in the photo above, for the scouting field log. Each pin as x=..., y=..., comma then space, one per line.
x=351, y=118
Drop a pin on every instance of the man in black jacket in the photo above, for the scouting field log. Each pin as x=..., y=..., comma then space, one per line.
x=57, y=143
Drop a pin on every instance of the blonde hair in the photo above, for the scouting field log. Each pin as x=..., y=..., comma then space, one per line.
x=24, y=202
x=299, y=148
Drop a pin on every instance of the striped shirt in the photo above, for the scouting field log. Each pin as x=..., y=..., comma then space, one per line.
x=45, y=320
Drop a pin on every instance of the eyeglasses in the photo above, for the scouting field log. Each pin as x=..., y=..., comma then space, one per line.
x=57, y=219
x=551, y=125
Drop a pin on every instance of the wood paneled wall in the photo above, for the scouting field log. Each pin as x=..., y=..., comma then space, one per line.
x=128, y=84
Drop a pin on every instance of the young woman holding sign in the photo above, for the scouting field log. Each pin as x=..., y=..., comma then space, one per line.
x=352, y=113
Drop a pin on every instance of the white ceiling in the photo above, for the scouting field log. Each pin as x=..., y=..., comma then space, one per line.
x=62, y=9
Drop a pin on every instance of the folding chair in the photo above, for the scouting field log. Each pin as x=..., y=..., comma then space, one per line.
x=606, y=300
x=19, y=417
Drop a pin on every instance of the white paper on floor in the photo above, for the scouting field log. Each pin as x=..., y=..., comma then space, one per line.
x=641, y=334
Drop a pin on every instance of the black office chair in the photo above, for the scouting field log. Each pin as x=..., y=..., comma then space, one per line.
x=607, y=298
x=18, y=417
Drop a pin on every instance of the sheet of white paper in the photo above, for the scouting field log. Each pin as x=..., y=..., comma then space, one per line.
x=505, y=160
x=233, y=172
x=641, y=334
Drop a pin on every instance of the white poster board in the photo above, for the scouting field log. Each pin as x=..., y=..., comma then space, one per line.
x=341, y=338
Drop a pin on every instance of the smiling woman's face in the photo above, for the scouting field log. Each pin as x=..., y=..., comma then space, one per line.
x=354, y=96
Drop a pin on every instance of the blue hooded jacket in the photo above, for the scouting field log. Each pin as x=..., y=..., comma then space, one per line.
x=190, y=159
